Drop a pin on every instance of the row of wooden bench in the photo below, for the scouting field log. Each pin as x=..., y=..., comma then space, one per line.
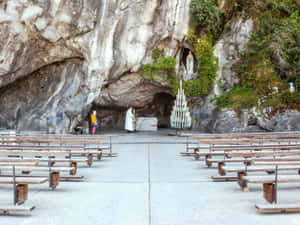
x=21, y=155
x=254, y=154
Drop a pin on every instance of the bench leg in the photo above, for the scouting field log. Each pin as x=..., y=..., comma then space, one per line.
x=220, y=168
x=241, y=181
x=268, y=190
x=25, y=172
x=90, y=160
x=22, y=193
x=74, y=166
x=206, y=160
x=247, y=162
x=270, y=172
x=54, y=179
x=99, y=156
x=196, y=151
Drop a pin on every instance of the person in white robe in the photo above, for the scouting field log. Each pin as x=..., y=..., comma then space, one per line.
x=129, y=120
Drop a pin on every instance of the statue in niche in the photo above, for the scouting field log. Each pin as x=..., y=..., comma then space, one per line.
x=292, y=88
x=189, y=70
x=190, y=63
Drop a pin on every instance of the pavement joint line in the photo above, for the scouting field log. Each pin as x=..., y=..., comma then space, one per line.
x=153, y=142
x=149, y=185
x=152, y=182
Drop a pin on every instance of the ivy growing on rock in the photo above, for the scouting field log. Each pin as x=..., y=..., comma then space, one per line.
x=272, y=59
x=160, y=65
x=206, y=16
x=208, y=66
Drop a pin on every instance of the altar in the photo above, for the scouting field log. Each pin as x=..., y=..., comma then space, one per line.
x=146, y=124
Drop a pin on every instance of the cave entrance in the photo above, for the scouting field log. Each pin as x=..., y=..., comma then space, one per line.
x=160, y=108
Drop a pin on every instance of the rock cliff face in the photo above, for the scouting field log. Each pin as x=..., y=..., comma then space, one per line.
x=61, y=58
x=206, y=115
x=56, y=56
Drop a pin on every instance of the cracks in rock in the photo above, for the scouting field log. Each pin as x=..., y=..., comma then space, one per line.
x=155, y=84
x=26, y=76
x=175, y=16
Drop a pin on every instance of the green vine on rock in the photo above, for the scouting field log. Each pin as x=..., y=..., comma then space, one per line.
x=207, y=70
x=206, y=16
x=272, y=59
x=160, y=65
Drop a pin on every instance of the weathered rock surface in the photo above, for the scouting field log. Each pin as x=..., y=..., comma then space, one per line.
x=206, y=116
x=59, y=59
x=28, y=102
x=107, y=39
x=288, y=120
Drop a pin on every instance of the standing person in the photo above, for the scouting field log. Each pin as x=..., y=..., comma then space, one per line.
x=134, y=119
x=129, y=120
x=94, y=122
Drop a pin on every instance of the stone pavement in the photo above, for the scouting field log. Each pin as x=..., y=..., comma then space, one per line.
x=147, y=184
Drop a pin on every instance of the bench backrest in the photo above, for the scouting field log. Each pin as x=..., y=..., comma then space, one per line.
x=23, y=180
x=261, y=154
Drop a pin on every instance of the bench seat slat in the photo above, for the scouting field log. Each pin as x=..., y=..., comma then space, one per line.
x=277, y=208
x=258, y=168
x=16, y=208
x=38, y=169
x=33, y=153
x=261, y=154
x=18, y=163
x=63, y=160
x=22, y=180
x=271, y=179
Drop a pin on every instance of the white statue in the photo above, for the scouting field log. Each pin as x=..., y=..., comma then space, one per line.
x=275, y=90
x=190, y=63
x=292, y=88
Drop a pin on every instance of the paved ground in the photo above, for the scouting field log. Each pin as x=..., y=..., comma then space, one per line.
x=148, y=184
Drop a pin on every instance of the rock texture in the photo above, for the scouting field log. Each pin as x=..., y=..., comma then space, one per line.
x=61, y=58
x=206, y=116
x=55, y=56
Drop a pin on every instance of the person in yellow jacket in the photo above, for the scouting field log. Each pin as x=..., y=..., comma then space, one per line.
x=94, y=122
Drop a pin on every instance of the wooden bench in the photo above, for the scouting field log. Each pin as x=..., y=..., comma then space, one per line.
x=71, y=149
x=221, y=150
x=18, y=153
x=268, y=182
x=59, y=140
x=231, y=136
x=54, y=172
x=6, y=209
x=52, y=154
x=210, y=143
x=275, y=163
x=222, y=162
x=22, y=186
x=223, y=178
x=261, y=154
x=243, y=171
x=259, y=162
x=12, y=160
x=278, y=208
x=51, y=161
x=264, y=137
x=243, y=155
x=18, y=163
x=71, y=178
x=73, y=163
